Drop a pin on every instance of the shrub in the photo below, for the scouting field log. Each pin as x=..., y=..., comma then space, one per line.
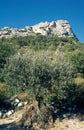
x=6, y=50
x=78, y=61
x=5, y=92
x=39, y=71
x=79, y=94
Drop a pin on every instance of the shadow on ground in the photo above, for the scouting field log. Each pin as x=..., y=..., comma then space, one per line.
x=11, y=126
x=69, y=114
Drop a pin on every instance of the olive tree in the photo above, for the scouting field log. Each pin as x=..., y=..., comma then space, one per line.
x=41, y=70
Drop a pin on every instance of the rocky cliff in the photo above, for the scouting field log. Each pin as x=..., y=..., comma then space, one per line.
x=60, y=28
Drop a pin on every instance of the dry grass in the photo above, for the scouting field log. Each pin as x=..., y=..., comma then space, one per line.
x=79, y=81
x=23, y=95
x=2, y=86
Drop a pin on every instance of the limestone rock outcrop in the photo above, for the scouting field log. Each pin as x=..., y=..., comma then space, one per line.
x=60, y=28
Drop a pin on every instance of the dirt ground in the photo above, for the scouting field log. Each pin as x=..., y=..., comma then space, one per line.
x=72, y=123
x=10, y=123
x=68, y=124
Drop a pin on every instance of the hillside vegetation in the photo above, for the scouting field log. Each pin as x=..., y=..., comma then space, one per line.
x=49, y=70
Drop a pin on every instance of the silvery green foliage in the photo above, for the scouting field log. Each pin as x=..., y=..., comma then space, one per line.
x=62, y=74
x=47, y=69
x=20, y=68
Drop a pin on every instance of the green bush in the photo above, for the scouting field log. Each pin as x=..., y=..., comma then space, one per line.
x=78, y=61
x=6, y=50
x=5, y=92
x=75, y=54
x=40, y=70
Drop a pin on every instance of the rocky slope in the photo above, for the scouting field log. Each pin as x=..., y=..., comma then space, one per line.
x=60, y=28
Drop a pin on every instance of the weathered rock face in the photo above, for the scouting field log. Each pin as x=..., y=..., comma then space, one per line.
x=60, y=28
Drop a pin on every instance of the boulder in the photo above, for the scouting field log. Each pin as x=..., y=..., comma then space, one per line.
x=25, y=103
x=17, y=101
x=1, y=114
x=10, y=112
x=20, y=104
